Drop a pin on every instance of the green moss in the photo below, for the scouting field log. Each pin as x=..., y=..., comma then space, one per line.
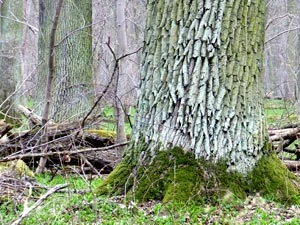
x=176, y=176
x=106, y=133
x=117, y=180
x=268, y=146
x=17, y=167
x=272, y=179
x=230, y=181
x=181, y=186
x=171, y=177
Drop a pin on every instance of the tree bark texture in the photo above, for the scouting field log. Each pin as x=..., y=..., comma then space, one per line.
x=72, y=85
x=201, y=80
x=30, y=47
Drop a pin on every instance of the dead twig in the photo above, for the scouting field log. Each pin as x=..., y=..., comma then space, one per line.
x=26, y=211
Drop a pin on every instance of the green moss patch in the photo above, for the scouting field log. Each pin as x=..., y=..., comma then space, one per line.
x=17, y=168
x=176, y=176
x=117, y=181
x=173, y=175
x=106, y=133
x=272, y=179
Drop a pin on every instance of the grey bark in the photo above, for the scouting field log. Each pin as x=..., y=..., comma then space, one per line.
x=50, y=78
x=122, y=50
x=30, y=47
x=72, y=86
x=201, y=80
x=11, y=39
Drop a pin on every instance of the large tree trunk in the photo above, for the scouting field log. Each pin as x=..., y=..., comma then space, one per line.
x=201, y=90
x=201, y=80
x=72, y=85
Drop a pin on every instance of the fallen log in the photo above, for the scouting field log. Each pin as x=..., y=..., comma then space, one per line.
x=292, y=165
x=33, y=118
x=284, y=134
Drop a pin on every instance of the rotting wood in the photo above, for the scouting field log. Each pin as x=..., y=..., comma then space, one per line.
x=85, y=150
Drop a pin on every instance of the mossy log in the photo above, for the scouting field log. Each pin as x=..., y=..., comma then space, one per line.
x=176, y=176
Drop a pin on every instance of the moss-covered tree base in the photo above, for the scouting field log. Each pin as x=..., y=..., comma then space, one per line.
x=175, y=176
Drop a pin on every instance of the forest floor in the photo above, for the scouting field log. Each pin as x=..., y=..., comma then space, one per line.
x=69, y=207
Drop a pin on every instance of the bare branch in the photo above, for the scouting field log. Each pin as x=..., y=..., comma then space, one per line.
x=26, y=211
x=281, y=33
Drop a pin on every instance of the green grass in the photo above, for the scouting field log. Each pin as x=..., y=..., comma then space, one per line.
x=69, y=208
x=108, y=113
x=280, y=112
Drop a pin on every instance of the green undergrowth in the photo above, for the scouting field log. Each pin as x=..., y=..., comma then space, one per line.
x=175, y=176
x=68, y=208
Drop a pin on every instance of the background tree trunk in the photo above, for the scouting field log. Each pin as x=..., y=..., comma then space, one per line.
x=105, y=27
x=11, y=37
x=72, y=85
x=30, y=48
x=281, y=51
x=49, y=84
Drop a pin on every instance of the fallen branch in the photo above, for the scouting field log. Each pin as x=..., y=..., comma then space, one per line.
x=30, y=115
x=285, y=134
x=32, y=155
x=89, y=164
x=292, y=165
x=26, y=211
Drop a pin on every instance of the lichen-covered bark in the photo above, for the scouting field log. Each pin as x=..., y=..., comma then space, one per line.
x=72, y=86
x=201, y=80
